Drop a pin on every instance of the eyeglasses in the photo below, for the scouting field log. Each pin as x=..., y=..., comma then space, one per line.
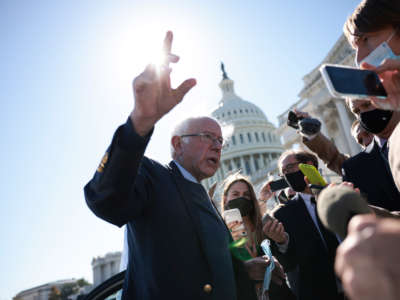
x=289, y=168
x=207, y=138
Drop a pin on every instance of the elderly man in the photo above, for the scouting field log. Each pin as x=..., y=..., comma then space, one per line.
x=178, y=244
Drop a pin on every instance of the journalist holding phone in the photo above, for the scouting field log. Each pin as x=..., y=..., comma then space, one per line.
x=367, y=260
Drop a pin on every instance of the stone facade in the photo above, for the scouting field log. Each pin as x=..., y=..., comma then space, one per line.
x=42, y=292
x=105, y=267
x=252, y=144
x=333, y=113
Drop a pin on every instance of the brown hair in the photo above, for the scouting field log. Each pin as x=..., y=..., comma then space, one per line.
x=301, y=156
x=372, y=15
x=256, y=216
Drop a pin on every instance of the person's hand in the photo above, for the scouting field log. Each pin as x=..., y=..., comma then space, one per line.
x=265, y=192
x=367, y=261
x=256, y=267
x=389, y=73
x=346, y=184
x=236, y=232
x=301, y=114
x=278, y=275
x=274, y=230
x=154, y=96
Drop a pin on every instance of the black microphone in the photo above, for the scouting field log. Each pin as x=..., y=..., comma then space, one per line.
x=336, y=205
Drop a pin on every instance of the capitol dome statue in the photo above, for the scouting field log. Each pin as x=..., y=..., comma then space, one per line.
x=253, y=146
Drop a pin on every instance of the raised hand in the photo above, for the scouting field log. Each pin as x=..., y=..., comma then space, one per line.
x=275, y=230
x=153, y=94
x=265, y=192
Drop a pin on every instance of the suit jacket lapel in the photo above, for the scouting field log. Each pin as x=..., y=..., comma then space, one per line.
x=309, y=221
x=210, y=230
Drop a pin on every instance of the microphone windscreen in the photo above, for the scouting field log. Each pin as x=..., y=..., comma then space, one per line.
x=336, y=205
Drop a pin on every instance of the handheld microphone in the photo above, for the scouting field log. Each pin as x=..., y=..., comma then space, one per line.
x=336, y=205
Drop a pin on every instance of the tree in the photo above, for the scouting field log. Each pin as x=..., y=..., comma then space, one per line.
x=55, y=294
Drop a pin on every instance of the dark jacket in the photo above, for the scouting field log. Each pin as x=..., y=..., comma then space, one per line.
x=370, y=172
x=307, y=262
x=178, y=245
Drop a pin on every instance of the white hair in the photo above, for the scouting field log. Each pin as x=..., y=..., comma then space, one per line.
x=182, y=128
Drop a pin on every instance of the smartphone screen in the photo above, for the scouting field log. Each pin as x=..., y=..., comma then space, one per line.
x=278, y=185
x=355, y=81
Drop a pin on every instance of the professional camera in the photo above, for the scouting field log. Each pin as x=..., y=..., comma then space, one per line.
x=307, y=126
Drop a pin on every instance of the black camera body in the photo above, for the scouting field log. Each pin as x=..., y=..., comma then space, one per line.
x=307, y=126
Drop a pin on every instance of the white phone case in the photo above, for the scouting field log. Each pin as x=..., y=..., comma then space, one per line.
x=232, y=215
x=332, y=89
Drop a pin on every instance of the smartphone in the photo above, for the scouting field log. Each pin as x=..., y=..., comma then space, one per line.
x=349, y=82
x=312, y=174
x=278, y=185
x=232, y=215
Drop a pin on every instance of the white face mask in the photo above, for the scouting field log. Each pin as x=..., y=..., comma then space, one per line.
x=380, y=53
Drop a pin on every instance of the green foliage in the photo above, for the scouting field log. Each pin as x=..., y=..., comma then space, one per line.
x=67, y=290
x=55, y=293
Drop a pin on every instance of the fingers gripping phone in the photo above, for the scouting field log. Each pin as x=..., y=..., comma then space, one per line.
x=312, y=174
x=232, y=215
x=348, y=82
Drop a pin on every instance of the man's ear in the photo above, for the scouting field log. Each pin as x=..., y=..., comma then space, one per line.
x=176, y=142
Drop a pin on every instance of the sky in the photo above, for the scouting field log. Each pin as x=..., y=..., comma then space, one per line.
x=65, y=86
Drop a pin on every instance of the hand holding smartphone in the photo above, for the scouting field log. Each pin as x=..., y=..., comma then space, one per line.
x=312, y=174
x=234, y=221
x=349, y=82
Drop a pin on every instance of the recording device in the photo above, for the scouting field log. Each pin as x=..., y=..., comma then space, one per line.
x=336, y=206
x=278, y=185
x=312, y=174
x=307, y=126
x=232, y=215
x=348, y=82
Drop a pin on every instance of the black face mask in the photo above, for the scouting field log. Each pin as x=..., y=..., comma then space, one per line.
x=296, y=181
x=375, y=121
x=245, y=206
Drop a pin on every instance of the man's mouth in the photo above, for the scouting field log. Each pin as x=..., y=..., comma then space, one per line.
x=213, y=161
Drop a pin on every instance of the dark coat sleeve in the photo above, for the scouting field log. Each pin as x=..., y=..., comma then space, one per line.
x=287, y=259
x=327, y=151
x=119, y=190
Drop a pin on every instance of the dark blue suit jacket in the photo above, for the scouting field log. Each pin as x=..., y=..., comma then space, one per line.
x=370, y=172
x=177, y=242
x=307, y=262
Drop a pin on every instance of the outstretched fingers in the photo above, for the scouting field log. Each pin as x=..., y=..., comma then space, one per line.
x=183, y=88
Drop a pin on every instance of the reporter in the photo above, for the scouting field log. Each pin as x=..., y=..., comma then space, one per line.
x=237, y=188
x=373, y=30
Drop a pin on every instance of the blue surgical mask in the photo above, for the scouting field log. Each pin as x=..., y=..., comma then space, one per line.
x=380, y=53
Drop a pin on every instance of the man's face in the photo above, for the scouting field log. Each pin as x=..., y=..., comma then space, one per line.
x=289, y=165
x=365, y=43
x=358, y=106
x=200, y=155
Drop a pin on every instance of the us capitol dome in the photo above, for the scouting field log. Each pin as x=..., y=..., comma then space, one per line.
x=253, y=146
